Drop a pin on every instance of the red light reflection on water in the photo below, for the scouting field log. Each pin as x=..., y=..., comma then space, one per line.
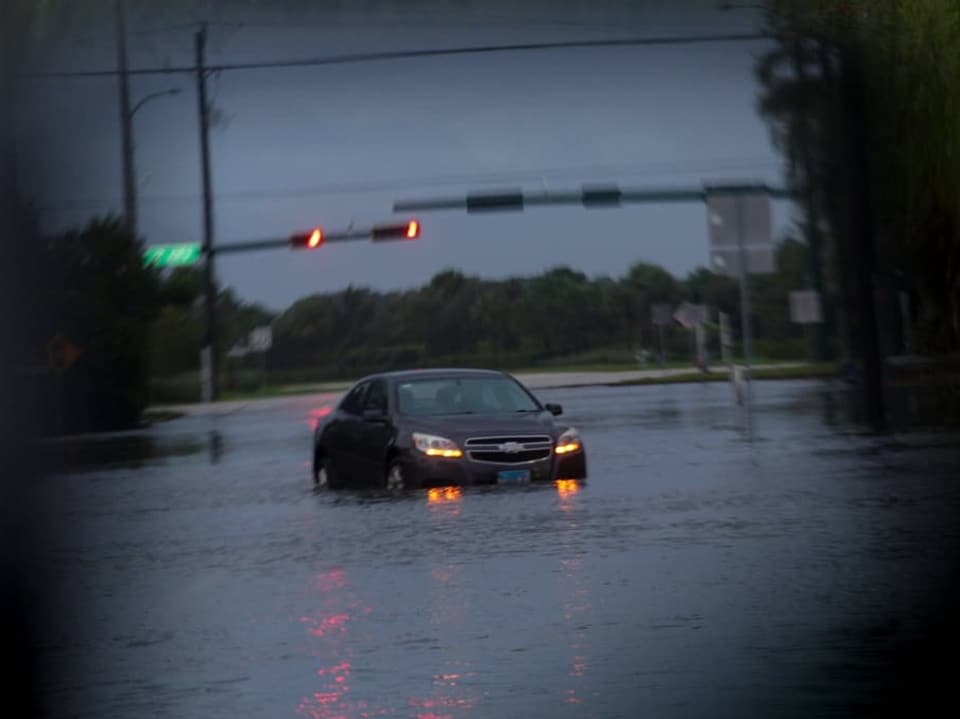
x=326, y=625
x=328, y=581
x=439, y=707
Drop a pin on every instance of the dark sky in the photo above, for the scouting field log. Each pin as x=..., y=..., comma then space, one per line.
x=336, y=145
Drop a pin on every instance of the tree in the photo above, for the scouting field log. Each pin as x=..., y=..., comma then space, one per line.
x=102, y=298
x=897, y=61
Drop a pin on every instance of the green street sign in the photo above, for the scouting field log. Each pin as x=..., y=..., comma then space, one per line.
x=172, y=255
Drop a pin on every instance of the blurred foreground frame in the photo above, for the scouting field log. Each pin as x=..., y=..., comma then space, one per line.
x=919, y=166
x=21, y=529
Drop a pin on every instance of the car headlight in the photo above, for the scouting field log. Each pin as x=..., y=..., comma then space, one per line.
x=568, y=442
x=434, y=446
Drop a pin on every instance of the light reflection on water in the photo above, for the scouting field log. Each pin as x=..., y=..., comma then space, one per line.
x=449, y=613
x=331, y=626
x=456, y=687
x=574, y=595
x=442, y=495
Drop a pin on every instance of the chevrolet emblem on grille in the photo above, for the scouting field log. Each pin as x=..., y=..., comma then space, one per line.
x=511, y=447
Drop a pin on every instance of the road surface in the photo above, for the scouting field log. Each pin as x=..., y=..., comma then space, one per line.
x=190, y=570
x=533, y=380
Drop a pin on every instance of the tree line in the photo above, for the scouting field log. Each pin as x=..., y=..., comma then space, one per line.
x=561, y=316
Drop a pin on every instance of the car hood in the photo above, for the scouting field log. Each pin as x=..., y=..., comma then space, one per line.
x=460, y=427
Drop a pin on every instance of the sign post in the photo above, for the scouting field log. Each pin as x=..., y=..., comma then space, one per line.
x=694, y=317
x=661, y=315
x=805, y=309
x=726, y=340
x=206, y=383
x=740, y=245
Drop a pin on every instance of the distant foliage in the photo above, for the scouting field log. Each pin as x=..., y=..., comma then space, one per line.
x=177, y=334
x=515, y=322
x=95, y=291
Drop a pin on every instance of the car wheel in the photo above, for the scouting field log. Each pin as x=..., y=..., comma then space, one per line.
x=397, y=477
x=323, y=474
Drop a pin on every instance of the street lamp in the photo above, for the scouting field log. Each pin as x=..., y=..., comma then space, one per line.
x=131, y=202
x=129, y=161
x=126, y=120
x=153, y=96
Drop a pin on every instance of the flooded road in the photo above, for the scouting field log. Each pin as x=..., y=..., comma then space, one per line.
x=197, y=574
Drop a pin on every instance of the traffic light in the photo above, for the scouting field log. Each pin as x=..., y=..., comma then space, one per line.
x=407, y=231
x=307, y=240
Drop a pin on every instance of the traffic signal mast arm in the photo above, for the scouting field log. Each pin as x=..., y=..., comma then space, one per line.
x=587, y=196
x=312, y=239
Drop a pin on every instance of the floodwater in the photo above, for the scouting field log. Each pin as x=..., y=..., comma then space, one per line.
x=194, y=571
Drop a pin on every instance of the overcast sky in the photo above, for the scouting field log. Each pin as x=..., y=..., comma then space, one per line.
x=338, y=145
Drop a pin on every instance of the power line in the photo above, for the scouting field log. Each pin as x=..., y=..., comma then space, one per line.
x=413, y=54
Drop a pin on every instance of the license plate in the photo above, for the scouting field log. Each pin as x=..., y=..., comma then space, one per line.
x=513, y=476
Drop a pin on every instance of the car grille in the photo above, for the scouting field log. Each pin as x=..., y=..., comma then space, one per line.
x=509, y=449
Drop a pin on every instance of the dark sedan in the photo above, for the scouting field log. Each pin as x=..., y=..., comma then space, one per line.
x=428, y=428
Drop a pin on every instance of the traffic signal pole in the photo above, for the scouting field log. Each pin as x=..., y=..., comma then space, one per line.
x=212, y=363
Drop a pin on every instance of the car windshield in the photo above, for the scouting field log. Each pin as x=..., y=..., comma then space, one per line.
x=463, y=395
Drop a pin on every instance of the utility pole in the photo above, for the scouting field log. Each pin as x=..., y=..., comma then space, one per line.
x=858, y=129
x=210, y=292
x=126, y=124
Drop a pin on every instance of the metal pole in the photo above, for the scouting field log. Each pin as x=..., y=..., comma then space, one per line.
x=866, y=252
x=745, y=318
x=126, y=124
x=210, y=291
x=663, y=359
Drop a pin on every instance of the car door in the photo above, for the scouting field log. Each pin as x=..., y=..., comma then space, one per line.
x=340, y=437
x=374, y=434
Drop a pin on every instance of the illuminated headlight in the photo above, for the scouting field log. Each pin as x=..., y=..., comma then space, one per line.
x=434, y=446
x=568, y=442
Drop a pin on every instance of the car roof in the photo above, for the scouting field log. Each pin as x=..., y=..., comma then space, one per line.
x=439, y=373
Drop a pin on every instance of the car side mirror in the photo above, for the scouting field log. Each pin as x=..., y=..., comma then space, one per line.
x=374, y=415
x=555, y=409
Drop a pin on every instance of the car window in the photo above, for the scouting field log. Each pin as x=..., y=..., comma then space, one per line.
x=353, y=402
x=463, y=395
x=377, y=396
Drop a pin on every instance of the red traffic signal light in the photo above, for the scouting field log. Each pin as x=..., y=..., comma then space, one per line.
x=406, y=231
x=309, y=240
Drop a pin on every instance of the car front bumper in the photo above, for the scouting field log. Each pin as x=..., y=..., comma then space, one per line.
x=436, y=472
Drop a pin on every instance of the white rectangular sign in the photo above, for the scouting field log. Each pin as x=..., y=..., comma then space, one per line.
x=734, y=218
x=261, y=339
x=805, y=307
